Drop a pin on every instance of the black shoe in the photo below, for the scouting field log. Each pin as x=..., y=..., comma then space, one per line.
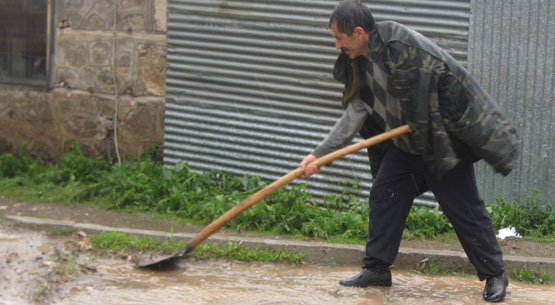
x=496, y=287
x=369, y=277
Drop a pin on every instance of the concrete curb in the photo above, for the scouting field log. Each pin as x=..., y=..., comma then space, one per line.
x=316, y=252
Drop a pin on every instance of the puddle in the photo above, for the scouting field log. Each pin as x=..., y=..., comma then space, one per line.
x=223, y=282
x=26, y=268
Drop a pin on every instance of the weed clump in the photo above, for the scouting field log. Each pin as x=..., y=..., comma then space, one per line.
x=147, y=186
x=529, y=218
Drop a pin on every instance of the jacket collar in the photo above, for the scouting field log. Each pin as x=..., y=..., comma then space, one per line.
x=376, y=48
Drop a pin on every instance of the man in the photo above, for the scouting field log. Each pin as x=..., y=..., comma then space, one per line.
x=395, y=76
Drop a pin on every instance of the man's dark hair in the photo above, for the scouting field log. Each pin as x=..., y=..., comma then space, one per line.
x=351, y=13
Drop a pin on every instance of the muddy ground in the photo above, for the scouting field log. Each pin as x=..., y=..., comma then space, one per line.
x=38, y=267
x=53, y=267
x=35, y=266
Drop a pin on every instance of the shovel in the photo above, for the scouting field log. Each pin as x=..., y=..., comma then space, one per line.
x=263, y=193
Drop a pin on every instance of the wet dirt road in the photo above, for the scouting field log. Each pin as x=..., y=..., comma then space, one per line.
x=32, y=272
x=224, y=282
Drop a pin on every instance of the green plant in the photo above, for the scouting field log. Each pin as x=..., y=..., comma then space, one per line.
x=428, y=223
x=530, y=276
x=427, y=266
x=65, y=267
x=349, y=222
x=65, y=263
x=529, y=218
x=22, y=164
x=199, y=198
x=61, y=231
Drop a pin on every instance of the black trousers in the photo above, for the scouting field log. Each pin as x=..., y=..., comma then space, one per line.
x=404, y=176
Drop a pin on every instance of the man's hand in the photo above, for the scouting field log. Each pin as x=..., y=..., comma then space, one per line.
x=309, y=170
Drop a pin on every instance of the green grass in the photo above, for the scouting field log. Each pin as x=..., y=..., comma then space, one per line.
x=431, y=267
x=62, y=231
x=525, y=274
x=123, y=242
x=239, y=252
x=531, y=276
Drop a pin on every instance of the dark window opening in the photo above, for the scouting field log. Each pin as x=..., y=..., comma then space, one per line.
x=23, y=41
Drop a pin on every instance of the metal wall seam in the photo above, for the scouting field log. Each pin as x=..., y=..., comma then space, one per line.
x=249, y=84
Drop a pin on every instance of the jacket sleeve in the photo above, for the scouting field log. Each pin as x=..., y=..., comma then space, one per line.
x=484, y=129
x=447, y=109
x=344, y=130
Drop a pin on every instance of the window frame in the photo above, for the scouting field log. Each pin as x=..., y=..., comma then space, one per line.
x=46, y=82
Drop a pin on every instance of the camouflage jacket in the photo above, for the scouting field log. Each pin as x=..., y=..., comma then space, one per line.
x=451, y=116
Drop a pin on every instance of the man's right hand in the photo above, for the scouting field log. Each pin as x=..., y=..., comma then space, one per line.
x=309, y=170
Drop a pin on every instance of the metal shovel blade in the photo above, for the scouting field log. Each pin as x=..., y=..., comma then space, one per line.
x=164, y=262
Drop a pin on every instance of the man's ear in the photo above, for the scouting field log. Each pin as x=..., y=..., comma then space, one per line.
x=358, y=31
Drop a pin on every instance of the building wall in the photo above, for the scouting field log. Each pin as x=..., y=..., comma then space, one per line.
x=250, y=88
x=88, y=39
x=512, y=53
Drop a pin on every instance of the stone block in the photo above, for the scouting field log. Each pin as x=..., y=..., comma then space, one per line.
x=161, y=16
x=101, y=52
x=86, y=15
x=133, y=23
x=27, y=118
x=152, y=67
x=85, y=62
x=132, y=15
x=77, y=55
x=49, y=121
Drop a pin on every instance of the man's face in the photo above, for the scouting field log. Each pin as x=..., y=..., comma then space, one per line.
x=354, y=45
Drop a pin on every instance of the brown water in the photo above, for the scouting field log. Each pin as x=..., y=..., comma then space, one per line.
x=223, y=282
x=28, y=265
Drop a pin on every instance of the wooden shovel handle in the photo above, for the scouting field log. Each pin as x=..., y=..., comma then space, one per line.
x=263, y=193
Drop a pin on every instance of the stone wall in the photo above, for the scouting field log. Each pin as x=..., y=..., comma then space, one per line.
x=81, y=103
x=49, y=121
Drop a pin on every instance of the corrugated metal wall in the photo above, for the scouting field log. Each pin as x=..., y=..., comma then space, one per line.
x=512, y=53
x=249, y=85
